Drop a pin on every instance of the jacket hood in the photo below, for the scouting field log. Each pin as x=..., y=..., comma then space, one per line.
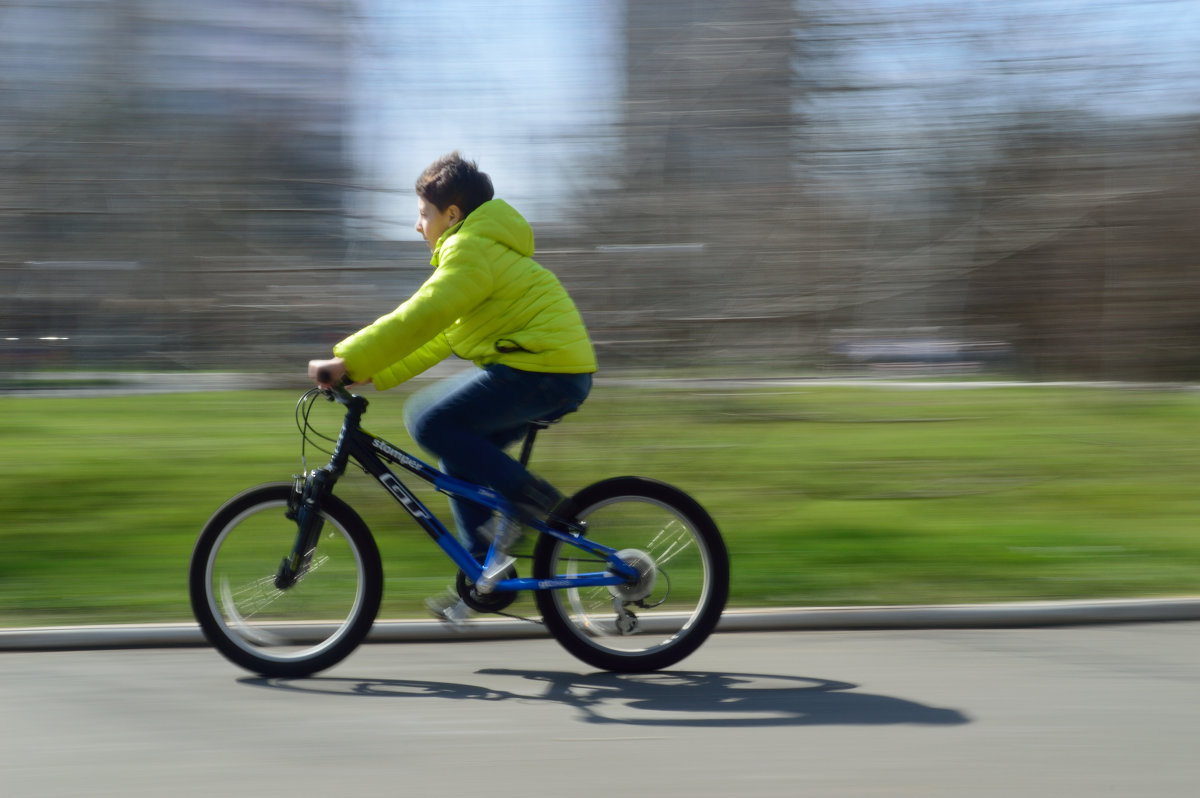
x=496, y=220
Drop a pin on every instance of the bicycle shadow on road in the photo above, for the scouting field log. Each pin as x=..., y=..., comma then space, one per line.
x=668, y=698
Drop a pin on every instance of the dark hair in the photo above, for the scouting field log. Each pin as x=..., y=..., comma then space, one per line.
x=452, y=181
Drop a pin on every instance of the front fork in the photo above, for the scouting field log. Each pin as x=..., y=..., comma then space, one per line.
x=304, y=507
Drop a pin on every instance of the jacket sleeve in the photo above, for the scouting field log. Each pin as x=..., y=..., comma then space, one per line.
x=460, y=282
x=419, y=361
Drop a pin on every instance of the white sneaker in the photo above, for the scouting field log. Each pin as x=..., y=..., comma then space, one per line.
x=505, y=532
x=450, y=610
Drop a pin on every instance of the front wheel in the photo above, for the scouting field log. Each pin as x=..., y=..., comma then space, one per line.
x=300, y=629
x=669, y=610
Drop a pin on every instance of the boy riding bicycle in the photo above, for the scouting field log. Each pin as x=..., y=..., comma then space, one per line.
x=487, y=301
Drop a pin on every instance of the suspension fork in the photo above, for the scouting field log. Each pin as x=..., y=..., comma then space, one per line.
x=309, y=493
x=304, y=507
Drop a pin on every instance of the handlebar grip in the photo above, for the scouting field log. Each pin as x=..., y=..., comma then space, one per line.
x=323, y=375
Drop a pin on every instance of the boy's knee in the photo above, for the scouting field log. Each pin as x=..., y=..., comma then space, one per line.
x=436, y=432
x=424, y=431
x=422, y=425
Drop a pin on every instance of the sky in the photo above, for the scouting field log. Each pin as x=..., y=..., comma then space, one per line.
x=1114, y=56
x=936, y=82
x=529, y=90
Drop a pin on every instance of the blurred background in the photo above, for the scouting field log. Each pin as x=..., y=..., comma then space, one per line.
x=768, y=185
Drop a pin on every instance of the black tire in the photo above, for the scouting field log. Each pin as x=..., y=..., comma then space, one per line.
x=677, y=604
x=283, y=633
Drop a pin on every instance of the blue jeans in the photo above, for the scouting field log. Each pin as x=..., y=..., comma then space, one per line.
x=470, y=419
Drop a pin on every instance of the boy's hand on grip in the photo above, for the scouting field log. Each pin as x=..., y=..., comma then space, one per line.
x=327, y=373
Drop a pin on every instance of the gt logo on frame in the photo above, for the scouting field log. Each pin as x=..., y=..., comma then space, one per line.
x=403, y=496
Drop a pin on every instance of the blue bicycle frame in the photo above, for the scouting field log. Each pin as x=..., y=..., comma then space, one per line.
x=370, y=451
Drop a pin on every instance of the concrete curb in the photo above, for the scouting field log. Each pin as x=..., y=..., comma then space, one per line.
x=964, y=616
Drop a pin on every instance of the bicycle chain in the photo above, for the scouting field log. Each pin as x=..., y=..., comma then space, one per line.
x=535, y=621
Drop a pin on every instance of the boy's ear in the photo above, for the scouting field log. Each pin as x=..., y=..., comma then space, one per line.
x=454, y=214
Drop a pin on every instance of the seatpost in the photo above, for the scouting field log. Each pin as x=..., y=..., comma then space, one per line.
x=530, y=434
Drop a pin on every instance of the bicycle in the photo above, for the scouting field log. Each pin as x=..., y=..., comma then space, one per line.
x=286, y=579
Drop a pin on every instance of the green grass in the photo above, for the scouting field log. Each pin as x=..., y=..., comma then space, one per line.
x=825, y=495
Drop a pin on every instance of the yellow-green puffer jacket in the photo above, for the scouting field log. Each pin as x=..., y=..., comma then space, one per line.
x=487, y=301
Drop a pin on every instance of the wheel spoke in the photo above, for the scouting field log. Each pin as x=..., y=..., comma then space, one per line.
x=250, y=599
x=677, y=540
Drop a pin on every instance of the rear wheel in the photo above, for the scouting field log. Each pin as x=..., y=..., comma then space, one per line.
x=659, y=618
x=299, y=630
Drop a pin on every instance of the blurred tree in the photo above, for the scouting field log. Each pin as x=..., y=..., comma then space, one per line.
x=156, y=187
x=791, y=175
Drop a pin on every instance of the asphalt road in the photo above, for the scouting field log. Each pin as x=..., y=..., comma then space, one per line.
x=1097, y=710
